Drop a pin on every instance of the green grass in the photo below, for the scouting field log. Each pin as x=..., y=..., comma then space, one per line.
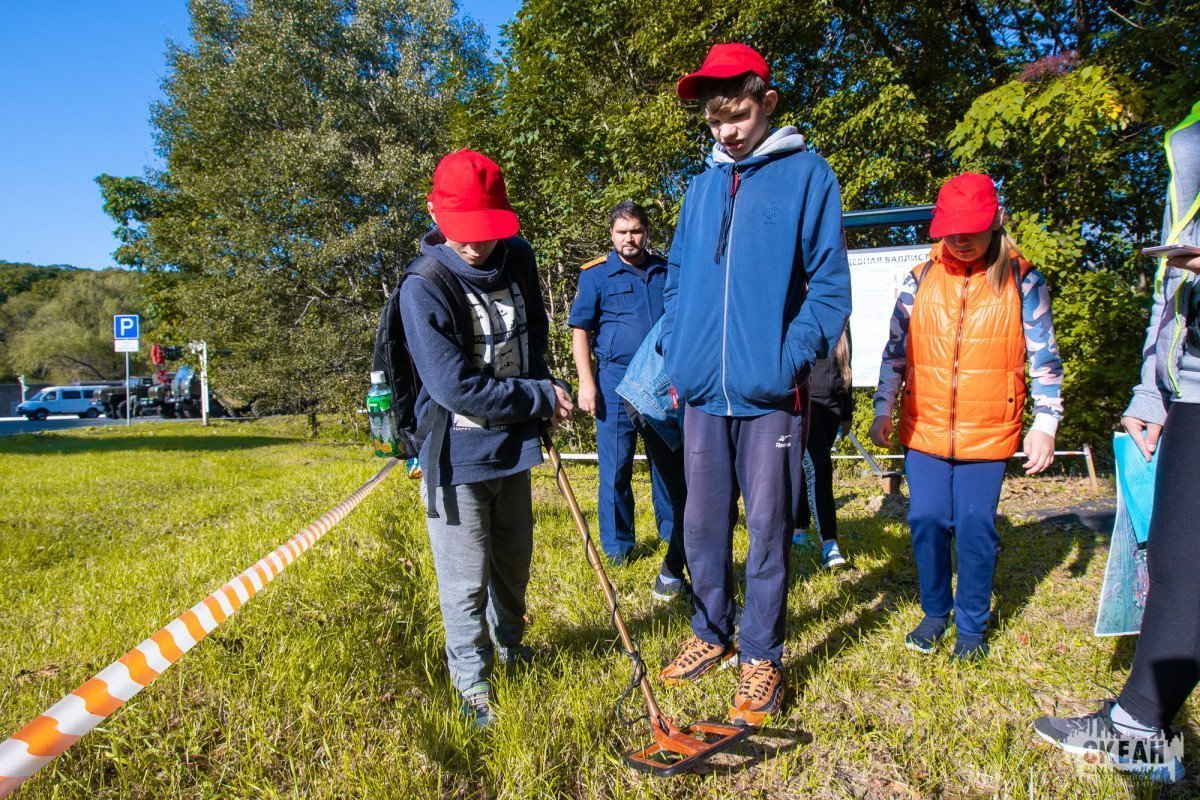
x=331, y=683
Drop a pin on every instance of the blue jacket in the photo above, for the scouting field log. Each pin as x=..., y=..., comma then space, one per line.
x=758, y=285
x=618, y=304
x=648, y=389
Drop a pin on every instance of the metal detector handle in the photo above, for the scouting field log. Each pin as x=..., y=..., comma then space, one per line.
x=593, y=557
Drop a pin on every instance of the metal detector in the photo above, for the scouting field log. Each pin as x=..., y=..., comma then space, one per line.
x=674, y=749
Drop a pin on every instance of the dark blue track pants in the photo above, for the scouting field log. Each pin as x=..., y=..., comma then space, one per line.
x=955, y=500
x=759, y=456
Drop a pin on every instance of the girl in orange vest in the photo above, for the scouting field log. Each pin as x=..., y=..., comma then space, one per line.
x=966, y=324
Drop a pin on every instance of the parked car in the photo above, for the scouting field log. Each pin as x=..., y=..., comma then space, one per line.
x=77, y=400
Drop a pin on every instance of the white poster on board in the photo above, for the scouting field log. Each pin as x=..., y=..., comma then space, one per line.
x=875, y=278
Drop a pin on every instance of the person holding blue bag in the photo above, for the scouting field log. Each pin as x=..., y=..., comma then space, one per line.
x=1163, y=418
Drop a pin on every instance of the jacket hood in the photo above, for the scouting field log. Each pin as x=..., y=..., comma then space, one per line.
x=486, y=277
x=780, y=141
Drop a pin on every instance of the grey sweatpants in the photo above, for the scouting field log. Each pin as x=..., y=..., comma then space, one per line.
x=482, y=544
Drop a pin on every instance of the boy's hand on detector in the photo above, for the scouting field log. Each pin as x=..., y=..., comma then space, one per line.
x=563, y=406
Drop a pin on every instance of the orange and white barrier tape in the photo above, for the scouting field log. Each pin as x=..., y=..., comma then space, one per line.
x=65, y=722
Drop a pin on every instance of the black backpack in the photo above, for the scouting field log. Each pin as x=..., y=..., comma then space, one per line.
x=393, y=359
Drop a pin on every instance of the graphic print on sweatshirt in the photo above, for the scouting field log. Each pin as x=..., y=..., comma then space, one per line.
x=500, y=341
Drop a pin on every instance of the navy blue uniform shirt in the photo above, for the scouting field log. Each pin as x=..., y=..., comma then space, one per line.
x=619, y=304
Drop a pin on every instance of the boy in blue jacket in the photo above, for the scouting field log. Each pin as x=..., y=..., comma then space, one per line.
x=758, y=286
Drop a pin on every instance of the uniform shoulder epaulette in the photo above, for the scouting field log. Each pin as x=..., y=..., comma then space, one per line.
x=594, y=262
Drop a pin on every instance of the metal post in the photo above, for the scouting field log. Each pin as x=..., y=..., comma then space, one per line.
x=21, y=380
x=1091, y=466
x=203, y=348
x=128, y=393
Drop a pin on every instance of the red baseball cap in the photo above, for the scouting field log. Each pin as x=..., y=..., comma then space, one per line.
x=469, y=199
x=966, y=203
x=724, y=61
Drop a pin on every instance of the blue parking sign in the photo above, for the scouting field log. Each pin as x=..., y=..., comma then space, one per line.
x=125, y=326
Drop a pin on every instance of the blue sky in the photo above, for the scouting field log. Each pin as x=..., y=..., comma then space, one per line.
x=76, y=81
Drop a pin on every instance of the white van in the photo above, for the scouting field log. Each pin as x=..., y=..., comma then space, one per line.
x=78, y=400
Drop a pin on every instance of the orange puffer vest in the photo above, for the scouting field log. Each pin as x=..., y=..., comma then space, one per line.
x=964, y=388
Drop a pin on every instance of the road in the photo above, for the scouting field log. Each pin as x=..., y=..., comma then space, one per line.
x=11, y=425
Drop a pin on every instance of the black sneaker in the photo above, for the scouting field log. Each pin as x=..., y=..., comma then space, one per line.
x=667, y=588
x=924, y=638
x=1159, y=756
x=970, y=648
x=477, y=705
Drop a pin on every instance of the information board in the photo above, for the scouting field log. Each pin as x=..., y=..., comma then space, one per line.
x=875, y=279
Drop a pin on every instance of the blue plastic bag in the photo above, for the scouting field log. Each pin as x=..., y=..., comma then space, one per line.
x=1126, y=578
x=1135, y=478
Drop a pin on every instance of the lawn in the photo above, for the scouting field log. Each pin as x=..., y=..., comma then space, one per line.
x=331, y=682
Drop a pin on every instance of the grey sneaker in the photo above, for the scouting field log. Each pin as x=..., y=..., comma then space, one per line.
x=831, y=555
x=667, y=588
x=517, y=655
x=925, y=637
x=477, y=705
x=1158, y=756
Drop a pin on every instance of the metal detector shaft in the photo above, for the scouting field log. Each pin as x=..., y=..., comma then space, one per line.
x=593, y=557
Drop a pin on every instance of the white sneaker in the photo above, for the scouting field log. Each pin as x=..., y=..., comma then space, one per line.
x=831, y=556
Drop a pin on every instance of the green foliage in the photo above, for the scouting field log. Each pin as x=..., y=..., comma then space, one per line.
x=1070, y=151
x=298, y=138
x=67, y=335
x=17, y=278
x=24, y=290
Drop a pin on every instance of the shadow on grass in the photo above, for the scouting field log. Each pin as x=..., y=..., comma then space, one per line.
x=762, y=745
x=1028, y=554
x=33, y=444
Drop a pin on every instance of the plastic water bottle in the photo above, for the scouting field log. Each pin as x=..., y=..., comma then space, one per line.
x=383, y=421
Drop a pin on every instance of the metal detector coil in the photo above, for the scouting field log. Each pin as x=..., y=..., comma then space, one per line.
x=675, y=749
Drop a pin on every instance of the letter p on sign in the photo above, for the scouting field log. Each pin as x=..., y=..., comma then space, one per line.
x=125, y=326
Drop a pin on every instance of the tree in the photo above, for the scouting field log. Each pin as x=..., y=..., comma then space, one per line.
x=582, y=113
x=298, y=138
x=68, y=336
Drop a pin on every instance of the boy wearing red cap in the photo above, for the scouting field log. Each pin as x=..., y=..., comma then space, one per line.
x=966, y=324
x=484, y=377
x=758, y=287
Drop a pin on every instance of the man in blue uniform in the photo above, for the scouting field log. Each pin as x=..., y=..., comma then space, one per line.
x=620, y=297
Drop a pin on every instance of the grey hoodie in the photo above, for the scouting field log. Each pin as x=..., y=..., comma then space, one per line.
x=1171, y=365
x=780, y=140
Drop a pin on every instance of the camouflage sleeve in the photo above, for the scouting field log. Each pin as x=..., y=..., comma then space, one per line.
x=895, y=352
x=1041, y=349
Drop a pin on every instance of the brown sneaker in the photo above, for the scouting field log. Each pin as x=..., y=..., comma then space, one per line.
x=695, y=658
x=759, y=693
